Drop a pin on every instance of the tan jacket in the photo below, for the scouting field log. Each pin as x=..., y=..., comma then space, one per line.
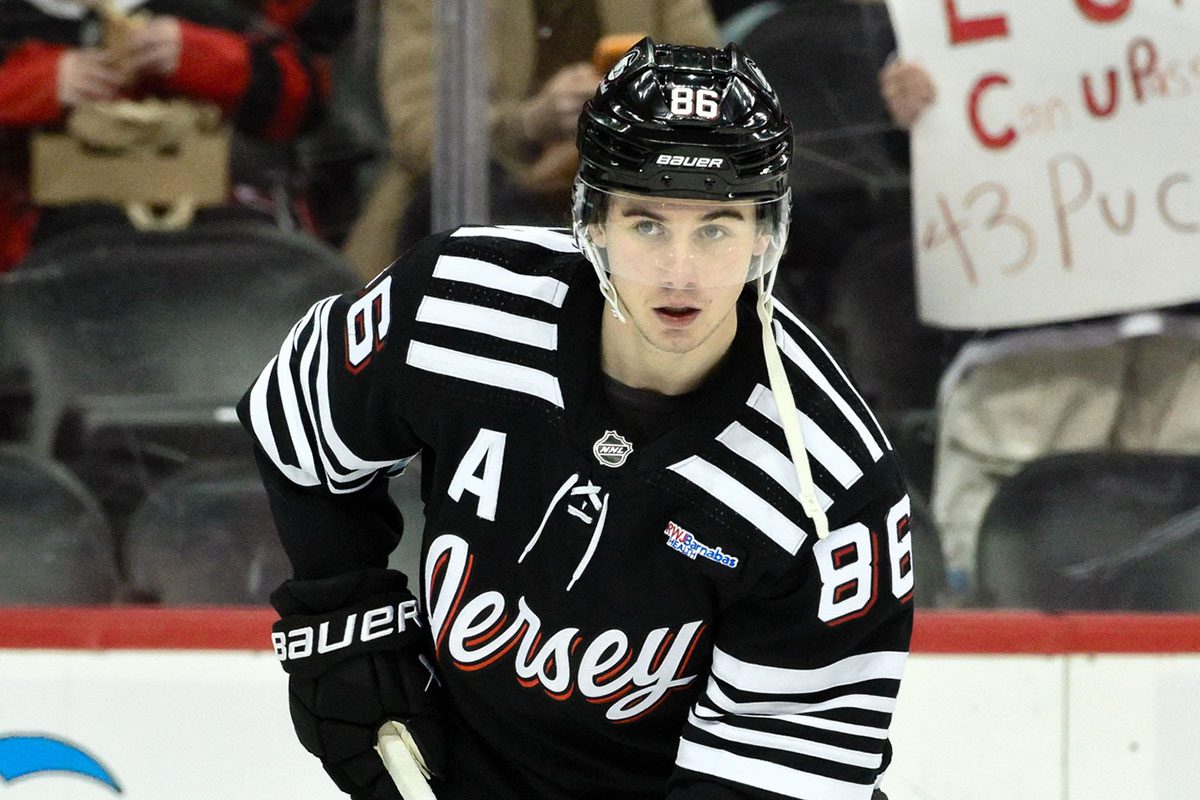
x=407, y=80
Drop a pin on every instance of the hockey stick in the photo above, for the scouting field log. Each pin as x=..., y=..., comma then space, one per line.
x=403, y=761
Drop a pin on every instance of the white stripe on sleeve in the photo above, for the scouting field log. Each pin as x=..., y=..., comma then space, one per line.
x=260, y=421
x=788, y=744
x=704, y=711
x=287, y=394
x=359, y=467
x=864, y=702
x=760, y=679
x=765, y=775
x=835, y=726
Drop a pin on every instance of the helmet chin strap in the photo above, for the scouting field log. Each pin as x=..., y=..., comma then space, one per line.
x=610, y=293
x=780, y=387
x=788, y=415
x=596, y=256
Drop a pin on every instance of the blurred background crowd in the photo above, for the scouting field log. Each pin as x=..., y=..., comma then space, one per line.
x=181, y=179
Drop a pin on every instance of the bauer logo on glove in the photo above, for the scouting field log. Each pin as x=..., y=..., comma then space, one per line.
x=377, y=623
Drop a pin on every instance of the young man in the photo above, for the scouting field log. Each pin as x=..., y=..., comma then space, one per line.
x=666, y=550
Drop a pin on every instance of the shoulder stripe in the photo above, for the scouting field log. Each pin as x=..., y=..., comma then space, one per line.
x=742, y=501
x=820, y=345
x=545, y=237
x=488, y=371
x=785, y=781
x=748, y=677
x=820, y=444
x=761, y=453
x=492, y=276
x=489, y=321
x=798, y=357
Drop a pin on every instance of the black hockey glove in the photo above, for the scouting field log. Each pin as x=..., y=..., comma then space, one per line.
x=355, y=647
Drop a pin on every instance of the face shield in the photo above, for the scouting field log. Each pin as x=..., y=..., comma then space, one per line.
x=679, y=243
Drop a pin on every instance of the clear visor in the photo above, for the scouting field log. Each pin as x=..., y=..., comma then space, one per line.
x=680, y=243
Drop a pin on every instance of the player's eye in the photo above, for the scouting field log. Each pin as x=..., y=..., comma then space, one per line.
x=647, y=227
x=713, y=233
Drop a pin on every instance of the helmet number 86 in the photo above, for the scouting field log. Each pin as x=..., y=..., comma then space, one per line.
x=687, y=101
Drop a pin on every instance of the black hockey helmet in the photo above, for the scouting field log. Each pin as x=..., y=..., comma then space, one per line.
x=686, y=122
x=677, y=123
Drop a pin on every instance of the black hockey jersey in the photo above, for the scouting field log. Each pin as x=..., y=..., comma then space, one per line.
x=612, y=617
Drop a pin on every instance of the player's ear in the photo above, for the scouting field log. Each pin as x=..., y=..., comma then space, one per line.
x=596, y=234
x=761, y=243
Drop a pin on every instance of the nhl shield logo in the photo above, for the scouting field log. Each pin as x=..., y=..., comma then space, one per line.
x=612, y=449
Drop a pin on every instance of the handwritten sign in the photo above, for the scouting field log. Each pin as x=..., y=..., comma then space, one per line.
x=1057, y=175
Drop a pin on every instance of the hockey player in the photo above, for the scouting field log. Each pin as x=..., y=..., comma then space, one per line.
x=666, y=550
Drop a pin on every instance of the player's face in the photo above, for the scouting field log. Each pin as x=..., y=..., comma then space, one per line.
x=679, y=265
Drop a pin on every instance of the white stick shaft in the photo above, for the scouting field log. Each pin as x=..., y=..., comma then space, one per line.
x=402, y=766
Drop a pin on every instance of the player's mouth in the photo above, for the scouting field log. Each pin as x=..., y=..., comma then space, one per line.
x=676, y=316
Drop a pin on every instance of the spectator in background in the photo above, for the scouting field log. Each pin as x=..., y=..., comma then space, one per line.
x=738, y=17
x=908, y=90
x=1128, y=382
x=849, y=261
x=850, y=177
x=263, y=64
x=540, y=57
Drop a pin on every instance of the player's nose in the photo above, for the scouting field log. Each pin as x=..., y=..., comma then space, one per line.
x=679, y=265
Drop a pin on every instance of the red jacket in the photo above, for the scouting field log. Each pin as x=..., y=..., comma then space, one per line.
x=256, y=70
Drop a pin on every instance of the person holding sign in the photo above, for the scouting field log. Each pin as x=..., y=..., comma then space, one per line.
x=1063, y=231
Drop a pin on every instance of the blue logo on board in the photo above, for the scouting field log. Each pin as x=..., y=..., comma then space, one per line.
x=25, y=756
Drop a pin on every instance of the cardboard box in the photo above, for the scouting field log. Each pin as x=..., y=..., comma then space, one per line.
x=65, y=171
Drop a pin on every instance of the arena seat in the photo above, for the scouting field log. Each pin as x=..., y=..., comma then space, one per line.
x=1097, y=531
x=204, y=536
x=134, y=346
x=55, y=546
